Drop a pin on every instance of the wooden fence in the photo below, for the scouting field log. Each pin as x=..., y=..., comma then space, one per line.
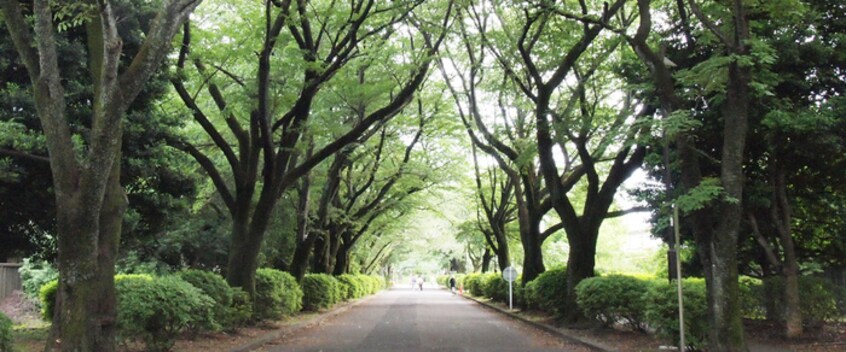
x=10, y=279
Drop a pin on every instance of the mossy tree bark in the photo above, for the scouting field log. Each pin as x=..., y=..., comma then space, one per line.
x=90, y=201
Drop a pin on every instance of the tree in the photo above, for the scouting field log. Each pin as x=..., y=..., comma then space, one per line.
x=714, y=222
x=513, y=154
x=570, y=119
x=497, y=206
x=150, y=172
x=90, y=201
x=794, y=137
x=323, y=40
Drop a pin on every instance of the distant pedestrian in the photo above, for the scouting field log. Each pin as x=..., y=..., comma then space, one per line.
x=413, y=282
x=452, y=284
x=420, y=282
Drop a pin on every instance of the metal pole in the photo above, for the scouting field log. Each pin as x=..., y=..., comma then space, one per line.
x=510, y=306
x=679, y=278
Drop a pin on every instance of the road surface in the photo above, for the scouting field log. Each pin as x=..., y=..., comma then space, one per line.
x=430, y=320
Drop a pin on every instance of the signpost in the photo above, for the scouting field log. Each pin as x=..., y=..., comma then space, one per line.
x=510, y=274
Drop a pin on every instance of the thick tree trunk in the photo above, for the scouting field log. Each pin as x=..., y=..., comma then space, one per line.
x=88, y=242
x=320, y=260
x=341, y=260
x=503, y=256
x=532, y=252
x=246, y=243
x=486, y=260
x=792, y=313
x=580, y=265
x=299, y=264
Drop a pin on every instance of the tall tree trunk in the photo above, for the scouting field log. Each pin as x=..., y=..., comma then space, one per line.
x=342, y=260
x=532, y=251
x=89, y=239
x=783, y=218
x=245, y=247
x=503, y=256
x=581, y=263
x=486, y=260
x=724, y=308
x=299, y=264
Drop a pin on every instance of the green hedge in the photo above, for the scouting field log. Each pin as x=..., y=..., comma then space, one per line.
x=157, y=311
x=354, y=286
x=240, y=312
x=819, y=299
x=277, y=294
x=373, y=283
x=5, y=333
x=612, y=298
x=474, y=284
x=662, y=310
x=320, y=291
x=47, y=293
x=495, y=287
x=548, y=291
x=214, y=286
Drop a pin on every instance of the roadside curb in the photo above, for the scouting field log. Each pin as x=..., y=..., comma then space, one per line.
x=546, y=327
x=307, y=323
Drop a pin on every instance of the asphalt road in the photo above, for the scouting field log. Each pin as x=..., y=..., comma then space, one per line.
x=428, y=320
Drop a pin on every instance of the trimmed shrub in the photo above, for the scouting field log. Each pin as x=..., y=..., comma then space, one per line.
x=277, y=294
x=473, y=284
x=662, y=310
x=320, y=291
x=47, y=297
x=47, y=293
x=548, y=291
x=214, y=286
x=370, y=283
x=818, y=299
x=157, y=311
x=609, y=299
x=5, y=333
x=495, y=287
x=240, y=312
x=354, y=286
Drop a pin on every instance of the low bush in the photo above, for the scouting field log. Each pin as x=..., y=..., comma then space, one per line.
x=5, y=333
x=548, y=291
x=495, y=287
x=613, y=298
x=474, y=284
x=47, y=293
x=214, y=286
x=156, y=311
x=320, y=291
x=372, y=283
x=662, y=310
x=277, y=294
x=818, y=299
x=354, y=286
x=240, y=312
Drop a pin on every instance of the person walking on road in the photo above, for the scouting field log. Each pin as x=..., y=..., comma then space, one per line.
x=413, y=282
x=420, y=282
x=452, y=284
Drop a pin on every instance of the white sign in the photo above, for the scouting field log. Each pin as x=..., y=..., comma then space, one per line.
x=509, y=274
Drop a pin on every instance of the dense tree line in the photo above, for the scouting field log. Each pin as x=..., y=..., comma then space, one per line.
x=300, y=134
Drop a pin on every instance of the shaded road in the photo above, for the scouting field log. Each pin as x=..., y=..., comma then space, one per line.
x=428, y=320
